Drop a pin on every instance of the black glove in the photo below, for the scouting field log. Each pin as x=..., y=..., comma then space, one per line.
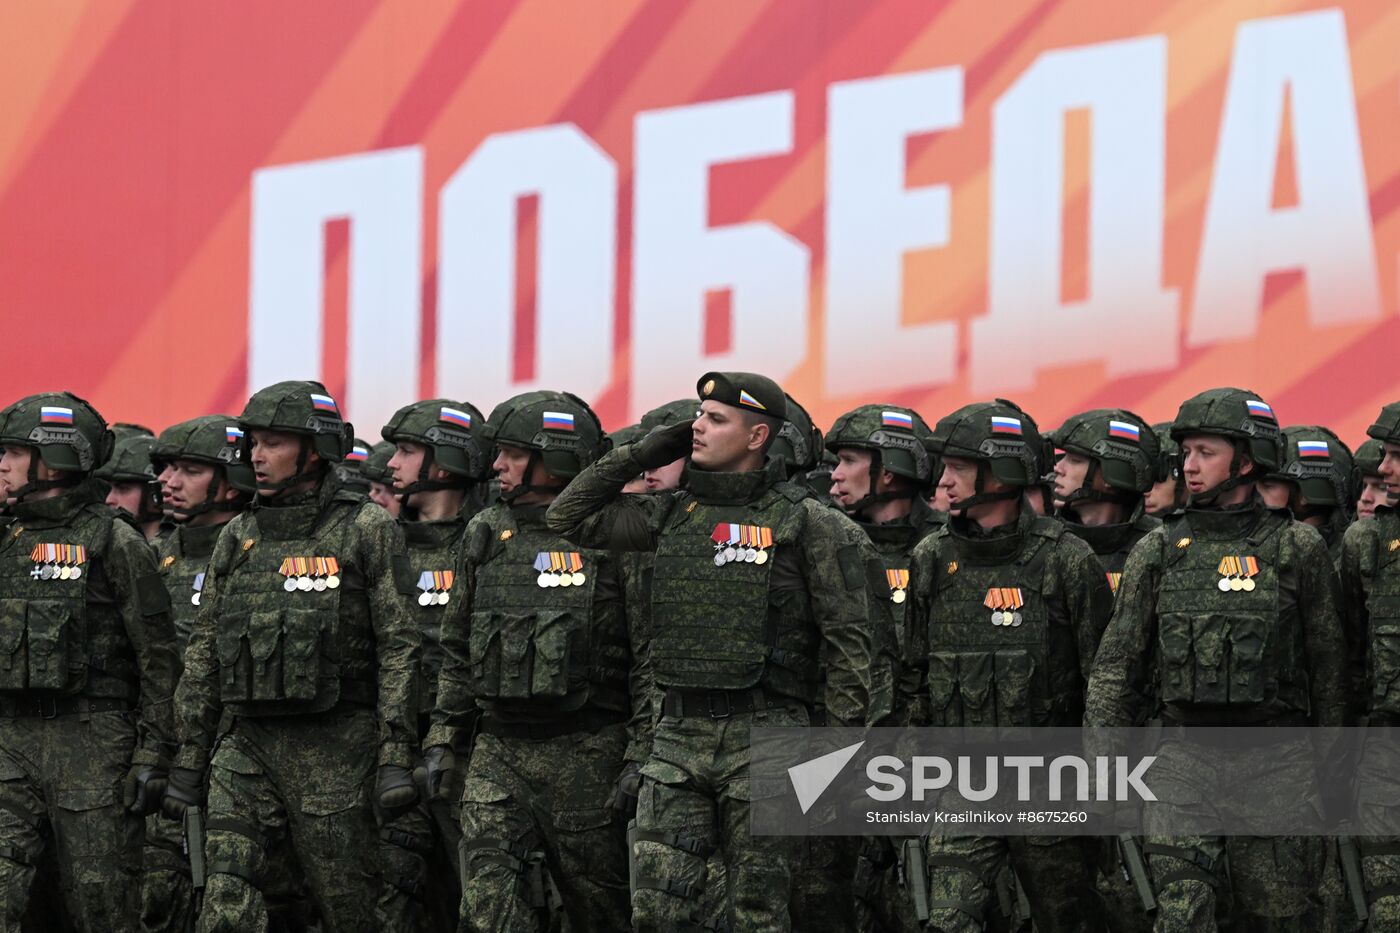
x=143, y=789
x=663, y=446
x=184, y=789
x=394, y=791
x=624, y=792
x=438, y=764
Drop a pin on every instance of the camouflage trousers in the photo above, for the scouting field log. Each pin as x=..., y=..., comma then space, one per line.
x=1119, y=900
x=823, y=900
x=1256, y=882
x=1380, y=855
x=167, y=898
x=60, y=787
x=298, y=789
x=695, y=800
x=541, y=848
x=1056, y=873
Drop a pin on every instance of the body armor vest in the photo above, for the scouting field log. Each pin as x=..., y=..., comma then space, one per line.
x=427, y=578
x=184, y=558
x=548, y=632
x=1383, y=608
x=1223, y=650
x=1112, y=543
x=61, y=631
x=999, y=653
x=287, y=648
x=736, y=623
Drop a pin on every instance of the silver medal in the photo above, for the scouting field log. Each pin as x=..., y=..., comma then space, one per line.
x=730, y=554
x=290, y=584
x=442, y=599
x=425, y=599
x=319, y=585
x=719, y=559
x=77, y=572
x=304, y=584
x=194, y=600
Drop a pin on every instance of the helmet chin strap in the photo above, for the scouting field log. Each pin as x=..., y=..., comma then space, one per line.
x=300, y=474
x=35, y=484
x=210, y=503
x=527, y=486
x=980, y=496
x=1086, y=492
x=424, y=484
x=872, y=497
x=1235, y=480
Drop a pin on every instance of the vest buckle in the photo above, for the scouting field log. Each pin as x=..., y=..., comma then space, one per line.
x=48, y=707
x=728, y=707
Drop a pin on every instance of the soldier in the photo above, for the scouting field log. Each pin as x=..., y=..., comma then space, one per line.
x=626, y=435
x=381, y=478
x=1168, y=492
x=350, y=472
x=883, y=473
x=1221, y=569
x=751, y=575
x=133, y=486
x=1314, y=482
x=1111, y=459
x=667, y=477
x=302, y=636
x=438, y=465
x=1371, y=490
x=1049, y=602
x=537, y=662
x=204, y=483
x=77, y=769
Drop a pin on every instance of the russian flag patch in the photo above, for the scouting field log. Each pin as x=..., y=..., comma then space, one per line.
x=1125, y=430
x=233, y=434
x=1313, y=449
x=324, y=403
x=358, y=453
x=1256, y=407
x=746, y=399
x=455, y=416
x=1004, y=425
x=559, y=420
x=55, y=414
x=897, y=419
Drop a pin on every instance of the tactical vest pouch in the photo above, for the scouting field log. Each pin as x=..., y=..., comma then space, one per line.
x=1214, y=658
x=35, y=644
x=981, y=689
x=272, y=655
x=519, y=656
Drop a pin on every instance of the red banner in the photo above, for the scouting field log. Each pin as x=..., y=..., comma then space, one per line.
x=1073, y=204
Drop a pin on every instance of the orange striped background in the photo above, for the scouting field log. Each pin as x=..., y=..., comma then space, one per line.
x=129, y=131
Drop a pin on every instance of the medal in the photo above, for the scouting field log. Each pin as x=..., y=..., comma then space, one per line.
x=442, y=599
x=730, y=554
x=1247, y=584
x=77, y=572
x=559, y=568
x=290, y=584
x=566, y=579
x=319, y=584
x=198, y=588
x=543, y=579
x=332, y=582
x=1223, y=585
x=304, y=584
x=741, y=543
x=1237, y=573
x=898, y=581
x=194, y=600
x=425, y=599
x=64, y=572
x=750, y=555
x=578, y=580
x=897, y=596
x=48, y=572
x=1004, y=601
x=719, y=559
x=761, y=559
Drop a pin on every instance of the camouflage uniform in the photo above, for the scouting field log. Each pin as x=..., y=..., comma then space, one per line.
x=734, y=644
x=420, y=848
x=1125, y=451
x=897, y=439
x=1170, y=622
x=1321, y=470
x=85, y=709
x=167, y=902
x=1370, y=584
x=537, y=660
x=1026, y=667
x=131, y=463
x=302, y=636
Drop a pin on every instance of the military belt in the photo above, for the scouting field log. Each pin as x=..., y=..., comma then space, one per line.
x=38, y=707
x=718, y=704
x=587, y=721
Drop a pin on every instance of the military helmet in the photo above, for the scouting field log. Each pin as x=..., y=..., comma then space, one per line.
x=130, y=461
x=450, y=429
x=350, y=471
x=1386, y=427
x=1321, y=465
x=1237, y=414
x=627, y=434
x=68, y=433
x=1168, y=453
x=663, y=416
x=1120, y=444
x=375, y=468
x=301, y=407
x=213, y=439
x=559, y=426
x=998, y=433
x=799, y=441
x=898, y=437
x=1368, y=458
x=121, y=430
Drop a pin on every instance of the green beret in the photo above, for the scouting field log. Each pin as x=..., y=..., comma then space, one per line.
x=747, y=391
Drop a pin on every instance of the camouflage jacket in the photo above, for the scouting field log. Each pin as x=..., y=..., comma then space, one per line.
x=1370, y=581
x=592, y=511
x=126, y=645
x=1061, y=590
x=1294, y=572
x=1112, y=543
x=367, y=648
x=600, y=665
x=184, y=556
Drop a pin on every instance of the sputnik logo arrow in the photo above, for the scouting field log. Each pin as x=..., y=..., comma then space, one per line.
x=811, y=778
